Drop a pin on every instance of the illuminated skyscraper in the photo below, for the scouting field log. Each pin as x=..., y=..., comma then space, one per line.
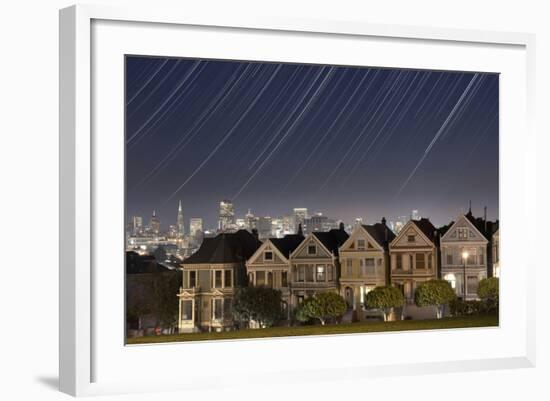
x=137, y=225
x=226, y=220
x=181, y=224
x=154, y=223
x=300, y=215
x=195, y=227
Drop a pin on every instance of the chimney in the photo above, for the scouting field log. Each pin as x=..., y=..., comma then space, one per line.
x=385, y=229
x=300, y=232
x=255, y=233
x=341, y=226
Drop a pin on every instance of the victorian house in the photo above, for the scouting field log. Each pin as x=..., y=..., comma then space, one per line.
x=364, y=260
x=270, y=266
x=413, y=256
x=464, y=254
x=210, y=277
x=314, y=264
x=496, y=253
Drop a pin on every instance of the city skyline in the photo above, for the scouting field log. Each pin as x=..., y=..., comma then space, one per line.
x=350, y=142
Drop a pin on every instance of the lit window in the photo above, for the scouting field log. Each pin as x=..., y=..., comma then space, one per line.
x=462, y=233
x=360, y=244
x=187, y=310
x=320, y=273
x=451, y=279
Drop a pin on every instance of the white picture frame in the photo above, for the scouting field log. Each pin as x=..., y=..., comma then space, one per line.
x=79, y=343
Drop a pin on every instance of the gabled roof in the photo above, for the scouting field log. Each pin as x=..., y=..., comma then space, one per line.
x=469, y=221
x=225, y=248
x=381, y=233
x=485, y=227
x=427, y=228
x=287, y=244
x=332, y=239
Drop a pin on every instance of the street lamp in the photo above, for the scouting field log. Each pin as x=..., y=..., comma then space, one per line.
x=464, y=258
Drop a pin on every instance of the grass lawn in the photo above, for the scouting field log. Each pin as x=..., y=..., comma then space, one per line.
x=361, y=327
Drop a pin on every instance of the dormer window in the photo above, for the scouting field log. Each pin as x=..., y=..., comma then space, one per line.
x=312, y=249
x=268, y=255
x=361, y=244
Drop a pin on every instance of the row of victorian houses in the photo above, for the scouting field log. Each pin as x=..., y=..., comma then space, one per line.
x=349, y=264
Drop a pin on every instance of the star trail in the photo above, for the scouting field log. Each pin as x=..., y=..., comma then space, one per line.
x=346, y=141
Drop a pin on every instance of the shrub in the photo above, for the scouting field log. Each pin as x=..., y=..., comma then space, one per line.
x=259, y=304
x=488, y=291
x=385, y=298
x=322, y=306
x=434, y=293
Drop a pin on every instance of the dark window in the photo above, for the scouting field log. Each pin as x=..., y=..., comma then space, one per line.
x=472, y=285
x=218, y=278
x=227, y=278
x=399, y=261
x=410, y=238
x=268, y=256
x=311, y=249
x=217, y=309
x=309, y=273
x=260, y=278
x=284, y=279
x=192, y=279
x=227, y=308
x=420, y=261
x=449, y=259
x=301, y=273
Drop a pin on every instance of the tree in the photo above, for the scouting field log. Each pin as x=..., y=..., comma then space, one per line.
x=434, y=293
x=322, y=306
x=488, y=291
x=385, y=298
x=259, y=304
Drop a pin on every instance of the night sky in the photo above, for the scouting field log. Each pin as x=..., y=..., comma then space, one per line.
x=345, y=141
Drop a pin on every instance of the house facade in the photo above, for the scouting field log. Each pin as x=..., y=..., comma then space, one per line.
x=413, y=256
x=496, y=253
x=464, y=256
x=364, y=261
x=315, y=265
x=270, y=266
x=210, y=277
